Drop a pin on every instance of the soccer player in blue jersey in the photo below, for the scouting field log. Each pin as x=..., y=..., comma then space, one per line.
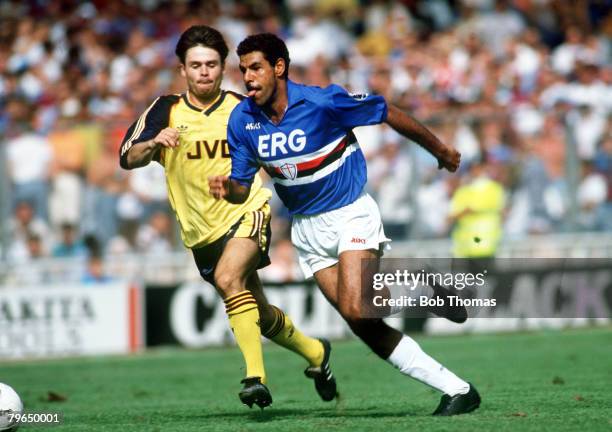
x=302, y=136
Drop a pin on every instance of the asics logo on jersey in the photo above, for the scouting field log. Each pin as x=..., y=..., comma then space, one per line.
x=358, y=240
x=253, y=126
x=270, y=145
x=359, y=96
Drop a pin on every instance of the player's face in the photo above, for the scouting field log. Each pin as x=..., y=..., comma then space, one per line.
x=260, y=77
x=203, y=71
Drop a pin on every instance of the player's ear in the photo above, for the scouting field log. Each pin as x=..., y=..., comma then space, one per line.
x=279, y=67
x=182, y=70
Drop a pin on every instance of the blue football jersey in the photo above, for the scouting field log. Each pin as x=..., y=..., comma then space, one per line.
x=312, y=155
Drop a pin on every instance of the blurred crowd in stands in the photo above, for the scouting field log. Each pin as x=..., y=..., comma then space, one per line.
x=523, y=88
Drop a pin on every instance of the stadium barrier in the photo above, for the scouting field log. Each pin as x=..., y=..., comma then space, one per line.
x=529, y=294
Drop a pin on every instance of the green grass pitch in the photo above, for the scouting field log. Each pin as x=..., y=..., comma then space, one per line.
x=551, y=380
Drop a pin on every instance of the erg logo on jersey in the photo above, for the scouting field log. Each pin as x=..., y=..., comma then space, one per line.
x=270, y=145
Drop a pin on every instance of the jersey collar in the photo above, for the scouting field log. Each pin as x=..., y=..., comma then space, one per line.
x=212, y=107
x=295, y=95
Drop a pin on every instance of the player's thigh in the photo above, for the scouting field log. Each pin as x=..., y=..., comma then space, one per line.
x=238, y=260
x=356, y=270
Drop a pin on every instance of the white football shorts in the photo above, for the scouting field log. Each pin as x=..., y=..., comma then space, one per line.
x=319, y=239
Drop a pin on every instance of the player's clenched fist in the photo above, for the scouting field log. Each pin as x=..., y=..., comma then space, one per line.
x=449, y=159
x=219, y=186
x=168, y=137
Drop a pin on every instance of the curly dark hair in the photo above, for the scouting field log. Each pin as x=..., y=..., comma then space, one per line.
x=270, y=45
x=204, y=36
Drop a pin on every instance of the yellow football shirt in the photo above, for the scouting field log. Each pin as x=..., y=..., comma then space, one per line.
x=202, y=152
x=478, y=233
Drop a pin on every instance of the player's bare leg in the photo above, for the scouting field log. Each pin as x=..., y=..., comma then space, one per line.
x=341, y=284
x=278, y=327
x=238, y=261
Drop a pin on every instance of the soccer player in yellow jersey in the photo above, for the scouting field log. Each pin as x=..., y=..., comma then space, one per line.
x=186, y=134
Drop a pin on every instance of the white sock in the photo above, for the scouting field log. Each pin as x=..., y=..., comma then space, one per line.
x=411, y=360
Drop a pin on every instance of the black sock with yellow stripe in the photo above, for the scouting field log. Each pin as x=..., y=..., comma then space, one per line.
x=243, y=316
x=283, y=332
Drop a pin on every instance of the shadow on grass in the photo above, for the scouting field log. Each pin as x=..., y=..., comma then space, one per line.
x=272, y=414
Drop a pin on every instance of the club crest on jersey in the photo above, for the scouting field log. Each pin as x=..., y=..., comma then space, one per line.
x=289, y=171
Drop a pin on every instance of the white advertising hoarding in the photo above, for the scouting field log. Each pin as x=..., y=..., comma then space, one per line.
x=69, y=320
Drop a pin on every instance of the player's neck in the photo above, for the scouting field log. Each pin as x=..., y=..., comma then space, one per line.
x=277, y=106
x=202, y=102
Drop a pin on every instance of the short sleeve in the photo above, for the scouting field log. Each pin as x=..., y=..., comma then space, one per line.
x=149, y=124
x=244, y=161
x=353, y=110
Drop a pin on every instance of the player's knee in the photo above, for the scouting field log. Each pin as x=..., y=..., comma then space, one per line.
x=350, y=312
x=227, y=283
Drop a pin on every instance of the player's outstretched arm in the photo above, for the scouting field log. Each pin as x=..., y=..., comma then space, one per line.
x=142, y=153
x=222, y=187
x=409, y=127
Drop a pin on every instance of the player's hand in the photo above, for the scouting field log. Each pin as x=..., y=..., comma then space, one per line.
x=449, y=159
x=219, y=186
x=168, y=137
